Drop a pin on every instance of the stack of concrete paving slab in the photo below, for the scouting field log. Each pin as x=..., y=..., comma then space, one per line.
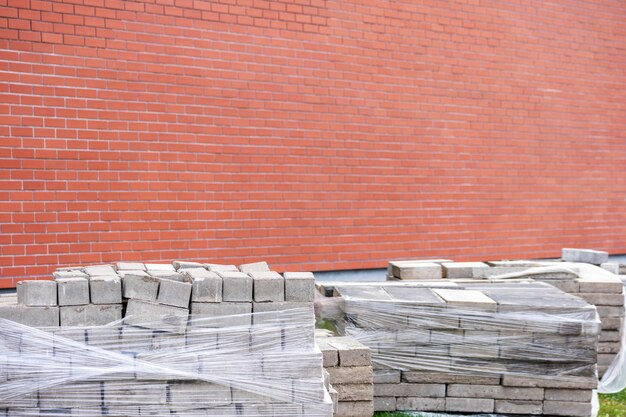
x=119, y=341
x=578, y=275
x=349, y=366
x=522, y=348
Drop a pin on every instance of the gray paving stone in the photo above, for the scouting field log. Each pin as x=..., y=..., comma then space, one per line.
x=299, y=286
x=156, y=316
x=220, y=267
x=410, y=390
x=355, y=392
x=454, y=270
x=575, y=395
x=178, y=265
x=418, y=270
x=139, y=285
x=567, y=408
x=417, y=403
x=160, y=268
x=90, y=314
x=588, y=256
x=351, y=352
x=385, y=404
x=37, y=293
x=100, y=270
x=351, y=375
x=224, y=314
x=31, y=316
x=354, y=408
x=73, y=291
x=268, y=286
x=130, y=266
x=206, y=285
x=470, y=405
x=236, y=286
x=71, y=273
x=519, y=407
x=174, y=293
x=105, y=290
x=386, y=376
x=254, y=267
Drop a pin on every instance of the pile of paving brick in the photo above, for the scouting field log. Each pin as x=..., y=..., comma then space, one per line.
x=349, y=367
x=186, y=339
x=579, y=275
x=523, y=347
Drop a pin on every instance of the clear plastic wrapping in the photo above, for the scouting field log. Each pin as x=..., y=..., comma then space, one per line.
x=261, y=364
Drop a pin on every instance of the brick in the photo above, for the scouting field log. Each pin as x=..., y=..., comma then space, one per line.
x=174, y=293
x=268, y=286
x=299, y=286
x=105, y=290
x=37, y=293
x=90, y=315
x=73, y=291
x=236, y=286
x=206, y=285
x=589, y=256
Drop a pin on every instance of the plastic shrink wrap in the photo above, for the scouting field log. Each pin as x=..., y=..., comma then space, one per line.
x=257, y=365
x=474, y=347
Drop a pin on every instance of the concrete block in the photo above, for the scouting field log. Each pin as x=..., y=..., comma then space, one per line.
x=73, y=291
x=416, y=270
x=494, y=391
x=37, y=293
x=610, y=336
x=236, y=286
x=172, y=276
x=329, y=353
x=604, y=284
x=612, y=323
x=156, y=316
x=206, y=285
x=354, y=409
x=611, y=347
x=355, y=392
x=268, y=286
x=31, y=316
x=608, y=311
x=588, y=256
x=443, y=378
x=71, y=273
x=299, y=286
x=352, y=375
x=221, y=314
x=351, y=352
x=410, y=390
x=187, y=395
x=254, y=267
x=519, y=407
x=130, y=266
x=470, y=405
x=386, y=376
x=265, y=338
x=456, y=270
x=139, y=285
x=187, y=265
x=132, y=393
x=160, y=268
x=567, y=408
x=174, y=293
x=420, y=404
x=104, y=337
x=76, y=395
x=100, y=270
x=579, y=382
x=105, y=290
x=466, y=298
x=220, y=267
x=575, y=395
x=385, y=403
x=90, y=314
x=612, y=267
x=278, y=306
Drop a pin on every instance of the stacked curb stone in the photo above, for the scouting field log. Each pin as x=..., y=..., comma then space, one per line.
x=579, y=275
x=185, y=339
x=349, y=367
x=519, y=348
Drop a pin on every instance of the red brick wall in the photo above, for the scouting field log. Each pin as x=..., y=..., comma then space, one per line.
x=314, y=134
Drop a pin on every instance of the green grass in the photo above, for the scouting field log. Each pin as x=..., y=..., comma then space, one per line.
x=613, y=405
